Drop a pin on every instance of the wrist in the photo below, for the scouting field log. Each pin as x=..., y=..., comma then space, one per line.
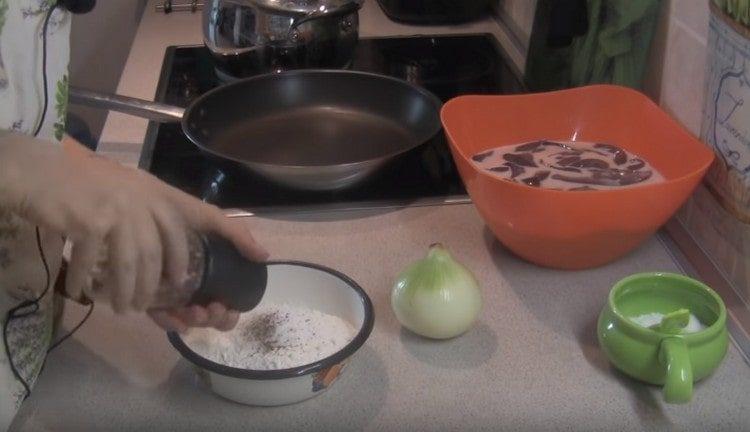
x=9, y=170
x=20, y=157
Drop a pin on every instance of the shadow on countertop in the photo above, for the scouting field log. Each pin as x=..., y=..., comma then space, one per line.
x=355, y=400
x=644, y=399
x=79, y=390
x=468, y=351
x=569, y=302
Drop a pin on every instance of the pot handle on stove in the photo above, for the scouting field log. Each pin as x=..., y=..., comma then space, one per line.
x=138, y=107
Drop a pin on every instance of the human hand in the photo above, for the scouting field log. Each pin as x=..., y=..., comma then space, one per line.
x=180, y=319
x=139, y=222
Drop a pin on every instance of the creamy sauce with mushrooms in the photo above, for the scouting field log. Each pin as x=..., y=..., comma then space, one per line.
x=568, y=165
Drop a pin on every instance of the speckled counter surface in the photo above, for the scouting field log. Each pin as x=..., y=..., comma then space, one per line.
x=531, y=363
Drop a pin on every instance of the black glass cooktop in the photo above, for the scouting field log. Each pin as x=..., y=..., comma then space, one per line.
x=446, y=65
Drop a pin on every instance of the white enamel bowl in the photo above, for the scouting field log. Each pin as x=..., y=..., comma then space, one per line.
x=300, y=284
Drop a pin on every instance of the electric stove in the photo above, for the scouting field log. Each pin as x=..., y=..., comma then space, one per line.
x=448, y=66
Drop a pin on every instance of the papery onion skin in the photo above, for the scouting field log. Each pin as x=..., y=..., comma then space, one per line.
x=436, y=297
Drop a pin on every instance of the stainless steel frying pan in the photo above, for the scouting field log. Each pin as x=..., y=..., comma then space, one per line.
x=311, y=129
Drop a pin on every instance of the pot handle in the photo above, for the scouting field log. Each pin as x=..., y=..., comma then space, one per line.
x=138, y=107
x=344, y=9
x=678, y=386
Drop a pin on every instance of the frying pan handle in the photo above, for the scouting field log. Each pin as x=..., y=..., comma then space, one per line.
x=138, y=107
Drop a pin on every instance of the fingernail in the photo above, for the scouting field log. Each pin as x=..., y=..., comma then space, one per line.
x=260, y=255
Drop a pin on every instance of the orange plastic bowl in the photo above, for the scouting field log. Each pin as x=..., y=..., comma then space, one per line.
x=574, y=230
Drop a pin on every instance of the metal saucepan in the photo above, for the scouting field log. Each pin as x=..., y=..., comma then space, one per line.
x=246, y=36
x=309, y=129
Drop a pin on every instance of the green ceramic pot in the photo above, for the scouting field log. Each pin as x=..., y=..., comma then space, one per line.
x=674, y=361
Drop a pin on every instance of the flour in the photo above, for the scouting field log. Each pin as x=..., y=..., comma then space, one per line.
x=274, y=336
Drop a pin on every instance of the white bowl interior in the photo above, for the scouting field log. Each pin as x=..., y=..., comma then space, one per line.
x=316, y=289
x=299, y=285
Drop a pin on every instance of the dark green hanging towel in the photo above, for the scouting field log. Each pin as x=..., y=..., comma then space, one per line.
x=611, y=46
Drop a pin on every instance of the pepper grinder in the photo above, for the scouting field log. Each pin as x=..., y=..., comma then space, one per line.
x=228, y=277
x=217, y=272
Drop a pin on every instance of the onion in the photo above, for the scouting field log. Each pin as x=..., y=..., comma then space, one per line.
x=436, y=296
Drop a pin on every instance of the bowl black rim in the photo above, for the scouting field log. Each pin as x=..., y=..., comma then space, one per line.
x=335, y=358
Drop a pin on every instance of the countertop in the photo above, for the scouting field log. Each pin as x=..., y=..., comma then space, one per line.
x=531, y=363
x=123, y=135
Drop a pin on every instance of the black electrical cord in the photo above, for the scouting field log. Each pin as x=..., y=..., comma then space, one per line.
x=14, y=313
x=44, y=68
x=73, y=330
x=34, y=304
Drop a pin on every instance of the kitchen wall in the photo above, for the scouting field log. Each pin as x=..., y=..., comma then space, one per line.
x=100, y=43
x=678, y=60
x=684, y=44
x=518, y=16
x=675, y=79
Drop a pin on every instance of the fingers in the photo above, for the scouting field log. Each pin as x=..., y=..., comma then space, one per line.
x=203, y=217
x=214, y=315
x=174, y=244
x=123, y=266
x=230, y=320
x=196, y=316
x=220, y=318
x=193, y=316
x=167, y=321
x=134, y=263
x=84, y=256
x=149, y=263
